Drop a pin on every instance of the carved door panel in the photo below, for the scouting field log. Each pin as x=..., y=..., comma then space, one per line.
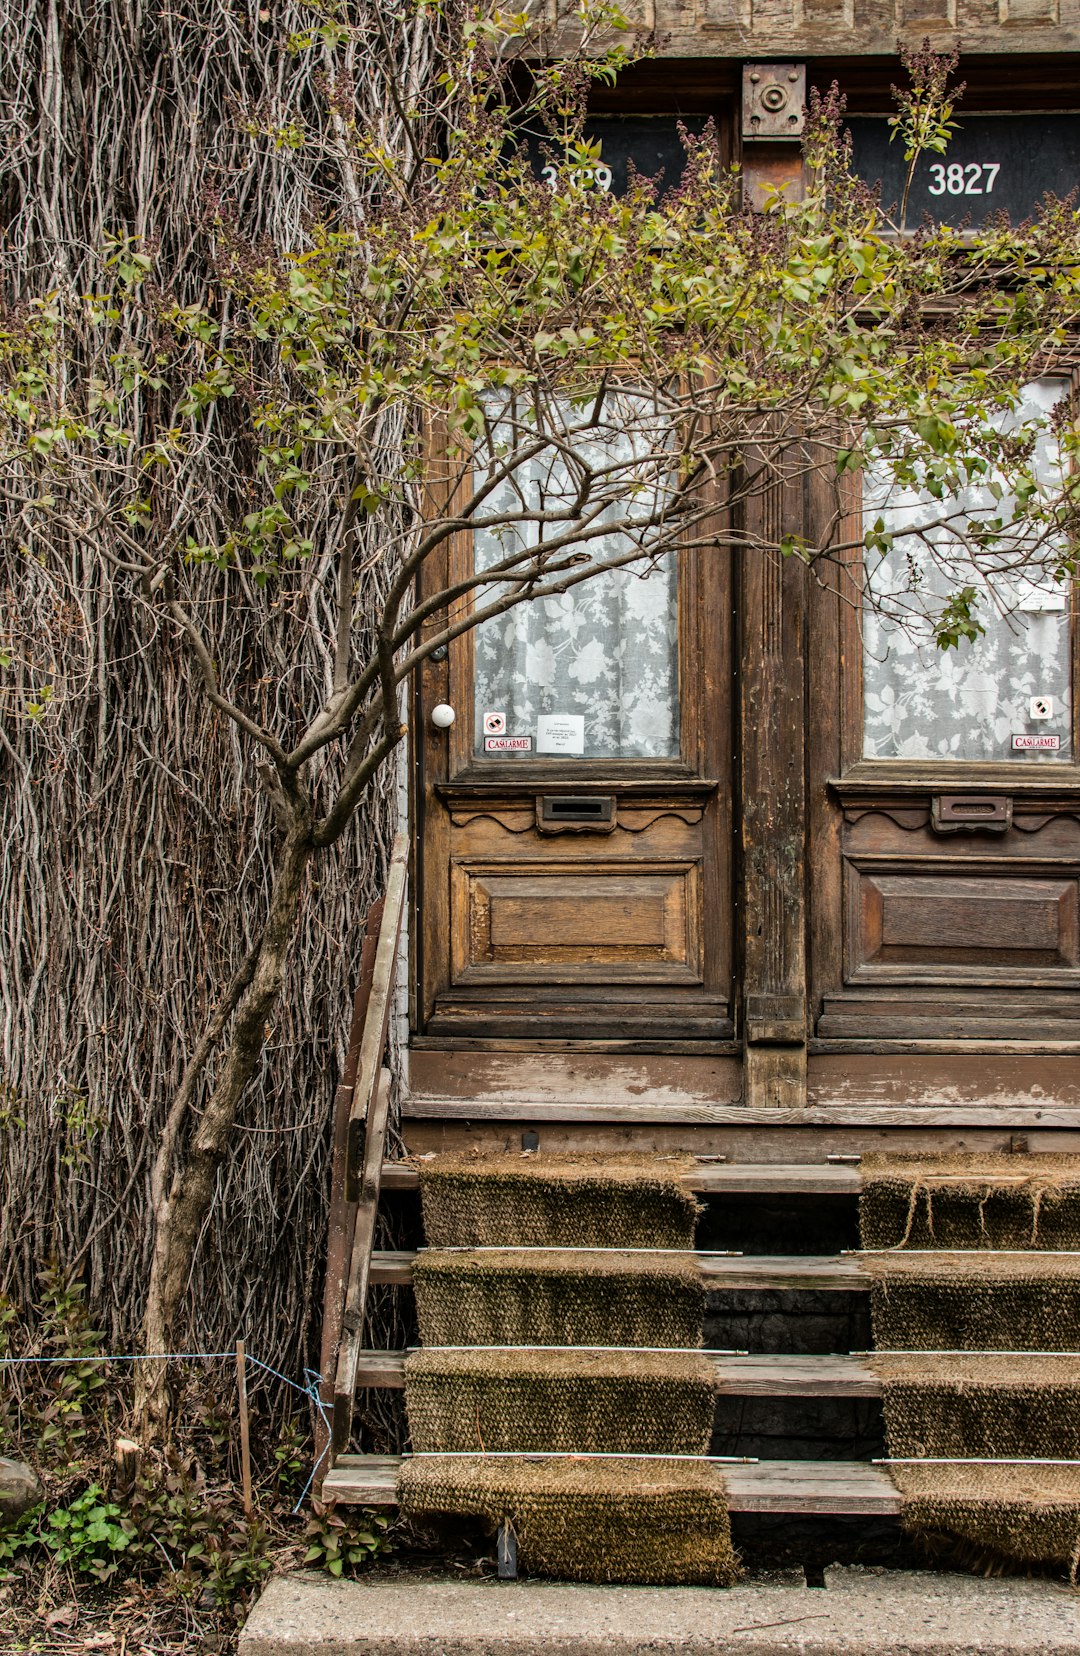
x=575, y=871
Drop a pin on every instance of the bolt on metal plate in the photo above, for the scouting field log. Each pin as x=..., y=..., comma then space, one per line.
x=774, y=100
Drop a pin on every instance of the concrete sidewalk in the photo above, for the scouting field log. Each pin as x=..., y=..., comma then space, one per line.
x=868, y=1611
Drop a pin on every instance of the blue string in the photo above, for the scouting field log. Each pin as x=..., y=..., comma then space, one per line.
x=257, y=1362
x=313, y=1380
x=310, y=1389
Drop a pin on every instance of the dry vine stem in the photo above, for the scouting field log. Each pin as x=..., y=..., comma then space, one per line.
x=133, y=879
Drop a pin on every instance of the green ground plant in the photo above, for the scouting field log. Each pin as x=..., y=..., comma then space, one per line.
x=343, y=1542
x=89, y=1534
x=177, y=1530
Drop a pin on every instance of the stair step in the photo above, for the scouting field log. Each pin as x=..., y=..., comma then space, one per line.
x=831, y=1274
x=716, y=1178
x=755, y=1376
x=807, y=1487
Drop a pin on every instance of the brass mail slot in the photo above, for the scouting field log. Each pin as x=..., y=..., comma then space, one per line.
x=580, y=812
x=971, y=813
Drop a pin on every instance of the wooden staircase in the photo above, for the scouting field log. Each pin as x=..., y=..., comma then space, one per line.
x=363, y=1179
x=765, y=1486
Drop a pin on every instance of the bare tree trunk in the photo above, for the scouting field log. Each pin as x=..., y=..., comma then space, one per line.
x=179, y=1215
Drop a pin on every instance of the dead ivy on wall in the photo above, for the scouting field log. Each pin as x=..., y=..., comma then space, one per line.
x=129, y=882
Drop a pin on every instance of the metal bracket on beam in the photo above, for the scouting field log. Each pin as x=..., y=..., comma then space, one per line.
x=774, y=101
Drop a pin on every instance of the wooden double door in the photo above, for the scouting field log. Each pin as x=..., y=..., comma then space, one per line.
x=718, y=810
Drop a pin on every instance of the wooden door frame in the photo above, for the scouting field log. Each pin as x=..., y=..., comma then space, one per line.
x=447, y=772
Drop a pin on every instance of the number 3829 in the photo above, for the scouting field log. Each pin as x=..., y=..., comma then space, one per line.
x=974, y=178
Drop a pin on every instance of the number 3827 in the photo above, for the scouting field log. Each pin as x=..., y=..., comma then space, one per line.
x=974, y=178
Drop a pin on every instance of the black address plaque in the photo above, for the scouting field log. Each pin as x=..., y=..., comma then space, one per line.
x=651, y=142
x=994, y=163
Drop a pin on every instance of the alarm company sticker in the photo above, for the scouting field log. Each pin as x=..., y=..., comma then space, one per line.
x=507, y=744
x=1044, y=744
x=494, y=724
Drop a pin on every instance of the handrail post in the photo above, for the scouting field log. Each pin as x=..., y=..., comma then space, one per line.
x=342, y=1213
x=363, y=1101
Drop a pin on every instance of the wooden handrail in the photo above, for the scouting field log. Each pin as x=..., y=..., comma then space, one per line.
x=342, y=1215
x=361, y=1112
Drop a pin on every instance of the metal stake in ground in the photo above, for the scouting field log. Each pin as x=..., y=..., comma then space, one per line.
x=245, y=1429
x=506, y=1551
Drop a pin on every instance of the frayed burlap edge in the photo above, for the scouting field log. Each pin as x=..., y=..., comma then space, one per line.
x=1016, y=1515
x=970, y=1199
x=557, y=1297
x=645, y=1523
x=993, y=1407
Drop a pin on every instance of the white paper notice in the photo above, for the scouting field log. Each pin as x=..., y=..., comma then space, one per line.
x=560, y=733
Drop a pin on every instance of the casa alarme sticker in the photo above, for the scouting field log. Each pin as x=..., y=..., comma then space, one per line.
x=507, y=744
x=1036, y=744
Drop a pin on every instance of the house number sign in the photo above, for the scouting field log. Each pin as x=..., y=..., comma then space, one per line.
x=994, y=163
x=651, y=142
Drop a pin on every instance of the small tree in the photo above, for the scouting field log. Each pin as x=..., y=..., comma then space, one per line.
x=592, y=381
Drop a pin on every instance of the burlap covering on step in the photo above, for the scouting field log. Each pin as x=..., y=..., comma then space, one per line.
x=975, y=1302
x=970, y=1200
x=981, y=1406
x=648, y=1523
x=980, y=1265
x=506, y=1266
x=1015, y=1514
x=584, y=1201
x=617, y=1401
x=553, y=1297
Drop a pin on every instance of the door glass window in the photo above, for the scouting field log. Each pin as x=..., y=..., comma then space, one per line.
x=921, y=702
x=592, y=671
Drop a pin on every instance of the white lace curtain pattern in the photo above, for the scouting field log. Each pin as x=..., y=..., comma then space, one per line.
x=921, y=702
x=607, y=650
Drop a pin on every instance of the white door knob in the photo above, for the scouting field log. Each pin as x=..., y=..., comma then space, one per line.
x=443, y=716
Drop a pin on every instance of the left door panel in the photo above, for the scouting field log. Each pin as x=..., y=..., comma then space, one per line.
x=582, y=895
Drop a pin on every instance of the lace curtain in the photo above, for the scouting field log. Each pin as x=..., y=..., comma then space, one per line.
x=607, y=650
x=921, y=702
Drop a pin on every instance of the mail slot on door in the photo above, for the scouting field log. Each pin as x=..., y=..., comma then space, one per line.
x=576, y=813
x=971, y=814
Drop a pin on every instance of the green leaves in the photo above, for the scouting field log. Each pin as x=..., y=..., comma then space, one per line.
x=957, y=619
x=937, y=432
x=89, y=1535
x=342, y=1542
x=877, y=538
x=203, y=393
